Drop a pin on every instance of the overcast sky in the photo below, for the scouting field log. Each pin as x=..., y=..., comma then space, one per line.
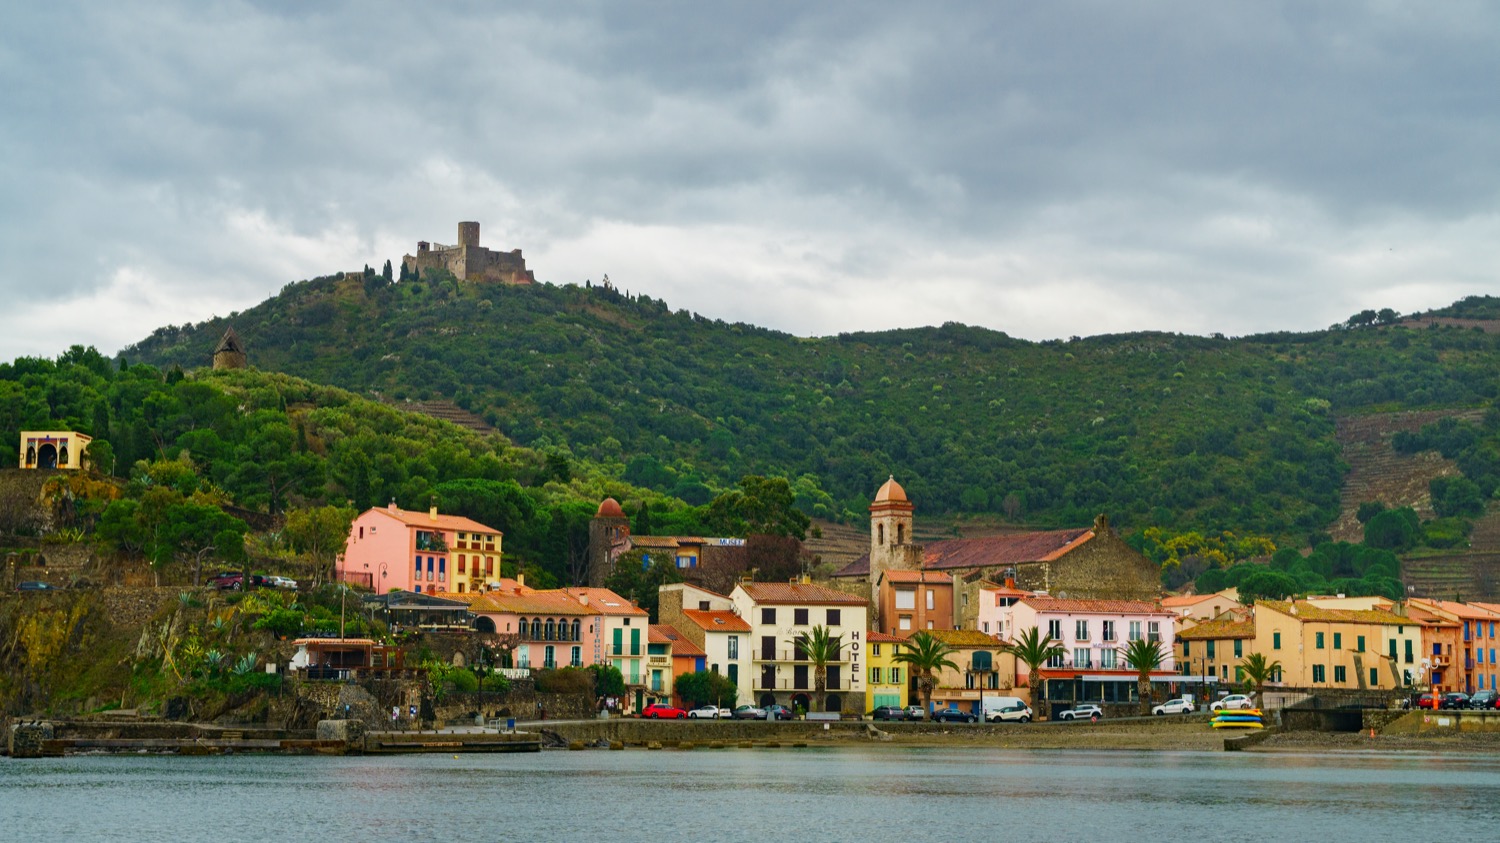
x=1044, y=169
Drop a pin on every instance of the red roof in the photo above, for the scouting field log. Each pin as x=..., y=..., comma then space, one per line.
x=717, y=621
x=875, y=637
x=605, y=601
x=987, y=551
x=456, y=523
x=798, y=593
x=665, y=633
x=1102, y=607
x=917, y=576
x=610, y=508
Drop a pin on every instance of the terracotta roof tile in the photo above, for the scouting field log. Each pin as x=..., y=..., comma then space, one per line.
x=987, y=551
x=1106, y=607
x=916, y=576
x=875, y=637
x=661, y=633
x=457, y=523
x=1218, y=628
x=1318, y=614
x=717, y=621
x=963, y=637
x=654, y=541
x=533, y=603
x=1465, y=611
x=607, y=602
x=798, y=593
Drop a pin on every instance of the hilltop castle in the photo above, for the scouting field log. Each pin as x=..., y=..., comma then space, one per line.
x=469, y=261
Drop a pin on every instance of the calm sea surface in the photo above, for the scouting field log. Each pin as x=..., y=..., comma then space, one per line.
x=854, y=794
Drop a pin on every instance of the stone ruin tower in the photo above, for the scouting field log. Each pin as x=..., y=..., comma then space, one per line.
x=609, y=533
x=230, y=353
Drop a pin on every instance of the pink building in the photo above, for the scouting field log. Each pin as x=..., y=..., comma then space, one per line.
x=1092, y=634
x=422, y=552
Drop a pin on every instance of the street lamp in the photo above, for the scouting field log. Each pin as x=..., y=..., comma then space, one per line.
x=481, y=664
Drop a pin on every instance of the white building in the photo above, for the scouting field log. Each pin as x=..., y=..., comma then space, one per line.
x=781, y=613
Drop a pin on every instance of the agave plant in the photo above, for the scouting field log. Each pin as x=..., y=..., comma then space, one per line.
x=213, y=661
x=246, y=664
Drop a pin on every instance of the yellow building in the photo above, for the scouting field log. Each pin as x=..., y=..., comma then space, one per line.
x=60, y=449
x=984, y=670
x=887, y=676
x=1338, y=648
x=1215, y=648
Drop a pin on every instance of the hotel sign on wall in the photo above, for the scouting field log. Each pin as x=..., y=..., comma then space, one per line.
x=856, y=659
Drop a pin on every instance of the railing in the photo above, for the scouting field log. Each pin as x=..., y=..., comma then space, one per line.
x=514, y=672
x=659, y=661
x=791, y=654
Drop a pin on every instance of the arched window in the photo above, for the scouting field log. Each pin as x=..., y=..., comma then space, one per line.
x=880, y=534
x=536, y=629
x=62, y=454
x=576, y=636
x=900, y=534
x=551, y=630
x=522, y=628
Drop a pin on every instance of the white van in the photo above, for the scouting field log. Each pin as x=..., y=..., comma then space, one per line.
x=999, y=709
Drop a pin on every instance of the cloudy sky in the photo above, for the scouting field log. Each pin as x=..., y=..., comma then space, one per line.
x=1044, y=169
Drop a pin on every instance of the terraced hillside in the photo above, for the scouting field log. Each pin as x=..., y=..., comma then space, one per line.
x=1378, y=473
x=449, y=412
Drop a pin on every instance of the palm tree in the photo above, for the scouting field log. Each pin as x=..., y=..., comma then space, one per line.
x=820, y=648
x=1143, y=656
x=1259, y=671
x=1034, y=650
x=924, y=655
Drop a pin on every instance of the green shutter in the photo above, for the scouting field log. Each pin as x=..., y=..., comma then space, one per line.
x=619, y=641
x=635, y=642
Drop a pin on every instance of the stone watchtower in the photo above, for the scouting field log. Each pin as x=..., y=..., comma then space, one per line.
x=230, y=353
x=608, y=529
x=891, y=548
x=468, y=234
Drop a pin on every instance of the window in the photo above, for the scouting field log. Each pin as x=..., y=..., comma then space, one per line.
x=905, y=622
x=799, y=617
x=734, y=674
x=549, y=655
x=906, y=598
x=1054, y=629
x=1107, y=659
x=1109, y=630
x=419, y=567
x=835, y=617
x=1409, y=655
x=1081, y=657
x=1318, y=640
x=1338, y=641
x=1209, y=647
x=1359, y=644
x=463, y=564
x=734, y=646
x=1374, y=678
x=1187, y=649
x=768, y=650
x=576, y=636
x=635, y=640
x=1135, y=630
x=1338, y=673
x=985, y=626
x=619, y=642
x=1318, y=673
x=1153, y=631
x=1081, y=630
x=577, y=657
x=880, y=534
x=1276, y=640
x=768, y=616
x=931, y=600
x=1393, y=649
x=895, y=676
x=874, y=649
x=1055, y=661
x=875, y=673
x=1239, y=649
x=929, y=625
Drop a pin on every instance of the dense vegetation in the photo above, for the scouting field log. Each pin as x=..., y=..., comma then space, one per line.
x=1190, y=432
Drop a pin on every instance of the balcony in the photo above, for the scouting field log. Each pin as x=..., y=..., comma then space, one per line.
x=789, y=655
x=659, y=661
x=787, y=684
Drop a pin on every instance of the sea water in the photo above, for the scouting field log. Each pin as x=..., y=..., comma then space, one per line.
x=867, y=794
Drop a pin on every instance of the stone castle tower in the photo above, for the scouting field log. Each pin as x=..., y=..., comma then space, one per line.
x=230, y=353
x=891, y=547
x=469, y=261
x=607, y=529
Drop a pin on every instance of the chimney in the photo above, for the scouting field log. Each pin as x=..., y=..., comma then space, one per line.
x=392, y=505
x=432, y=512
x=1010, y=582
x=1399, y=610
x=583, y=598
x=520, y=580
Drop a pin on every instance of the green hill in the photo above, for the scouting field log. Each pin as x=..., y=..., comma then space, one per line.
x=1152, y=428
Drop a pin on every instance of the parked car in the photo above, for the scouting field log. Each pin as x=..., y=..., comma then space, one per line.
x=953, y=715
x=33, y=585
x=710, y=712
x=749, y=712
x=1181, y=705
x=1427, y=701
x=915, y=712
x=778, y=712
x=1486, y=699
x=1086, y=711
x=1013, y=712
x=235, y=580
x=286, y=583
x=1233, y=701
x=661, y=711
x=888, y=712
x=1454, y=700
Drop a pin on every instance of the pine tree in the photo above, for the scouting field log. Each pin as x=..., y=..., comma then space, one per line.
x=386, y=271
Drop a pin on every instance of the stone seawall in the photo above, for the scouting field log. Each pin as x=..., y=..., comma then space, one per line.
x=1442, y=722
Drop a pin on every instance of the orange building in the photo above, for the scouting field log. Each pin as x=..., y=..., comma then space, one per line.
x=911, y=601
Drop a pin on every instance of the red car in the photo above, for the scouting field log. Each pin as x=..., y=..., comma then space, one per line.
x=1429, y=701
x=659, y=711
